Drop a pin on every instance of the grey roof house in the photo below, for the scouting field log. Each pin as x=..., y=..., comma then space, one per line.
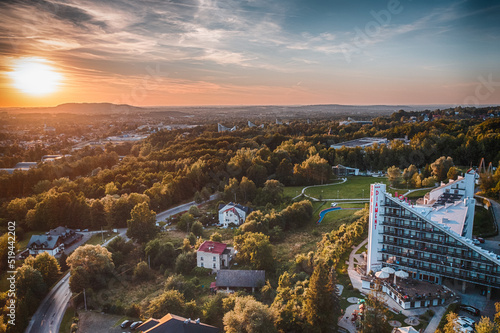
x=230, y=279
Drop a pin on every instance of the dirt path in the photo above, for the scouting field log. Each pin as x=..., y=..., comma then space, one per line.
x=96, y=322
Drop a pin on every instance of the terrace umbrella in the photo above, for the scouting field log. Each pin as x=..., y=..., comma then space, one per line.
x=382, y=275
x=401, y=274
x=388, y=270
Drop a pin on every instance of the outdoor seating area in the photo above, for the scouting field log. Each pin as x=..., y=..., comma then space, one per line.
x=407, y=292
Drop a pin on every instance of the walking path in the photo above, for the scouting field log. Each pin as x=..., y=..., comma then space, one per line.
x=313, y=198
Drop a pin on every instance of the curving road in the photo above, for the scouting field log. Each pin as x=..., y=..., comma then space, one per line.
x=49, y=314
x=179, y=209
x=48, y=317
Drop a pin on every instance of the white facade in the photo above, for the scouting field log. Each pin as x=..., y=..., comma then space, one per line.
x=377, y=197
x=215, y=261
x=430, y=242
x=231, y=213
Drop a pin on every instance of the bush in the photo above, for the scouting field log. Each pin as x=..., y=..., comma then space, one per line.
x=197, y=228
x=142, y=272
x=133, y=311
x=185, y=263
x=201, y=271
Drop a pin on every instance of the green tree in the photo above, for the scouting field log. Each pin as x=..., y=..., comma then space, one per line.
x=29, y=282
x=213, y=310
x=247, y=190
x=93, y=263
x=315, y=169
x=485, y=325
x=47, y=265
x=142, y=272
x=288, y=305
x=272, y=192
x=216, y=237
x=160, y=253
x=394, y=176
x=185, y=222
x=284, y=172
x=255, y=250
x=194, y=210
x=62, y=261
x=451, y=325
x=97, y=215
x=249, y=316
x=185, y=262
x=440, y=167
x=408, y=175
x=142, y=224
x=452, y=173
x=376, y=313
x=171, y=301
x=197, y=229
x=322, y=303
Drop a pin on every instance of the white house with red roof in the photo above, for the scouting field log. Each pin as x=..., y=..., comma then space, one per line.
x=233, y=213
x=214, y=255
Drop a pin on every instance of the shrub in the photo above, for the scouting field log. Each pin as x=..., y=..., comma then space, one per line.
x=133, y=311
x=201, y=271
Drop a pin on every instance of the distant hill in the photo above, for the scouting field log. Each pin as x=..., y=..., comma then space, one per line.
x=98, y=108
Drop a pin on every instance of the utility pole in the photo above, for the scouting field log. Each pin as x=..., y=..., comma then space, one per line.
x=85, y=299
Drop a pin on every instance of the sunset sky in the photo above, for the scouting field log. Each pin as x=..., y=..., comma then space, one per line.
x=160, y=52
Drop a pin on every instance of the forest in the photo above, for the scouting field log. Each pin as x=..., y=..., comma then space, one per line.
x=98, y=188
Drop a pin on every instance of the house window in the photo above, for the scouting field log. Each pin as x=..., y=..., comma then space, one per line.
x=201, y=258
x=214, y=258
x=215, y=266
x=202, y=265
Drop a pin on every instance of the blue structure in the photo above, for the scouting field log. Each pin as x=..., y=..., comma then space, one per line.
x=324, y=211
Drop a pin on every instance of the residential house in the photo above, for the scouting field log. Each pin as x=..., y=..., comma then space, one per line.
x=248, y=280
x=173, y=324
x=232, y=213
x=53, y=242
x=214, y=255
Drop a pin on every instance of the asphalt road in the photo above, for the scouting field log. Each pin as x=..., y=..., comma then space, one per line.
x=48, y=317
x=178, y=209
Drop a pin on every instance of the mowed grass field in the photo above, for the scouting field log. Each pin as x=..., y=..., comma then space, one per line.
x=355, y=187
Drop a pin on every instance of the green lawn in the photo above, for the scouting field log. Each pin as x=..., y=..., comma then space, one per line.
x=355, y=187
x=67, y=320
x=483, y=222
x=96, y=239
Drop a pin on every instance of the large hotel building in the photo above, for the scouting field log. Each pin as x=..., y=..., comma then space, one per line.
x=432, y=239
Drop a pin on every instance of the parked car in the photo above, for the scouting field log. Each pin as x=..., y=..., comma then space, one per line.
x=476, y=242
x=334, y=204
x=467, y=320
x=481, y=240
x=135, y=324
x=470, y=309
x=126, y=323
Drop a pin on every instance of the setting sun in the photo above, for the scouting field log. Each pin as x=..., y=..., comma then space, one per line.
x=34, y=76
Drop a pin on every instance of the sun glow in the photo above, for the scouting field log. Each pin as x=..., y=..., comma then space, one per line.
x=34, y=76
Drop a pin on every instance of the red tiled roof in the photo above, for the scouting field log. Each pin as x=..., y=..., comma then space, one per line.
x=212, y=247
